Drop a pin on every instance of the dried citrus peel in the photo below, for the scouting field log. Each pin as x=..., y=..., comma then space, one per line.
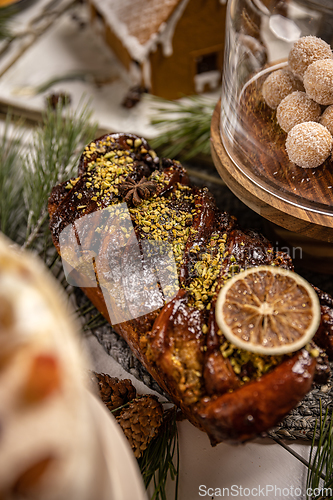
x=268, y=310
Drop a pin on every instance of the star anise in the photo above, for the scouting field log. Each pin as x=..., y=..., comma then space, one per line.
x=134, y=192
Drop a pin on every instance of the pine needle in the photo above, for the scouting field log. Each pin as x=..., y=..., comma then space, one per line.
x=184, y=126
x=320, y=470
x=53, y=157
x=157, y=462
x=12, y=211
x=5, y=15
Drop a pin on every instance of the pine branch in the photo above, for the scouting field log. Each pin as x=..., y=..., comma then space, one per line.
x=12, y=213
x=53, y=157
x=28, y=174
x=5, y=15
x=38, y=226
x=157, y=462
x=320, y=469
x=184, y=126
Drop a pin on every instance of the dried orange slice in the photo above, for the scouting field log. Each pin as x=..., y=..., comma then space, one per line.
x=268, y=310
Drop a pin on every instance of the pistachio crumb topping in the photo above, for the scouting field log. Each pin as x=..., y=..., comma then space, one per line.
x=248, y=365
x=206, y=270
x=107, y=168
x=169, y=218
x=161, y=219
x=71, y=183
x=312, y=350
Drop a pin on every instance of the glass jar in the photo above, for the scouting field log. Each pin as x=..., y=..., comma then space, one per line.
x=259, y=37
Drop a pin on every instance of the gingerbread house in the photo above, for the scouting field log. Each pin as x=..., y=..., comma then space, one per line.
x=172, y=47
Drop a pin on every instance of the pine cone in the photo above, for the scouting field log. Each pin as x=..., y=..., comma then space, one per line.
x=114, y=392
x=141, y=421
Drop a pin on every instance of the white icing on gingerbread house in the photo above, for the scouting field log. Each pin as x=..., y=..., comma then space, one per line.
x=170, y=42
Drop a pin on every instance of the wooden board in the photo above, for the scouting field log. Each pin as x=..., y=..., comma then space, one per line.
x=272, y=186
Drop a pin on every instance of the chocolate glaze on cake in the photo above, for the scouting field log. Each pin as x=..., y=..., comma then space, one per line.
x=179, y=342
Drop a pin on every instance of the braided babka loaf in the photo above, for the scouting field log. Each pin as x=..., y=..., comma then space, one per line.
x=227, y=392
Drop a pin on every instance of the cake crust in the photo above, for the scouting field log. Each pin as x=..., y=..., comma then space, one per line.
x=179, y=343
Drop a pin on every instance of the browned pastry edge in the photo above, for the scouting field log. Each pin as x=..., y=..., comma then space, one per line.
x=258, y=406
x=242, y=414
x=169, y=342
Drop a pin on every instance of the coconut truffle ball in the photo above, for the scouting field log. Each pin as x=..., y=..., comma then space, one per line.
x=318, y=81
x=296, y=108
x=305, y=51
x=278, y=85
x=326, y=119
x=309, y=144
